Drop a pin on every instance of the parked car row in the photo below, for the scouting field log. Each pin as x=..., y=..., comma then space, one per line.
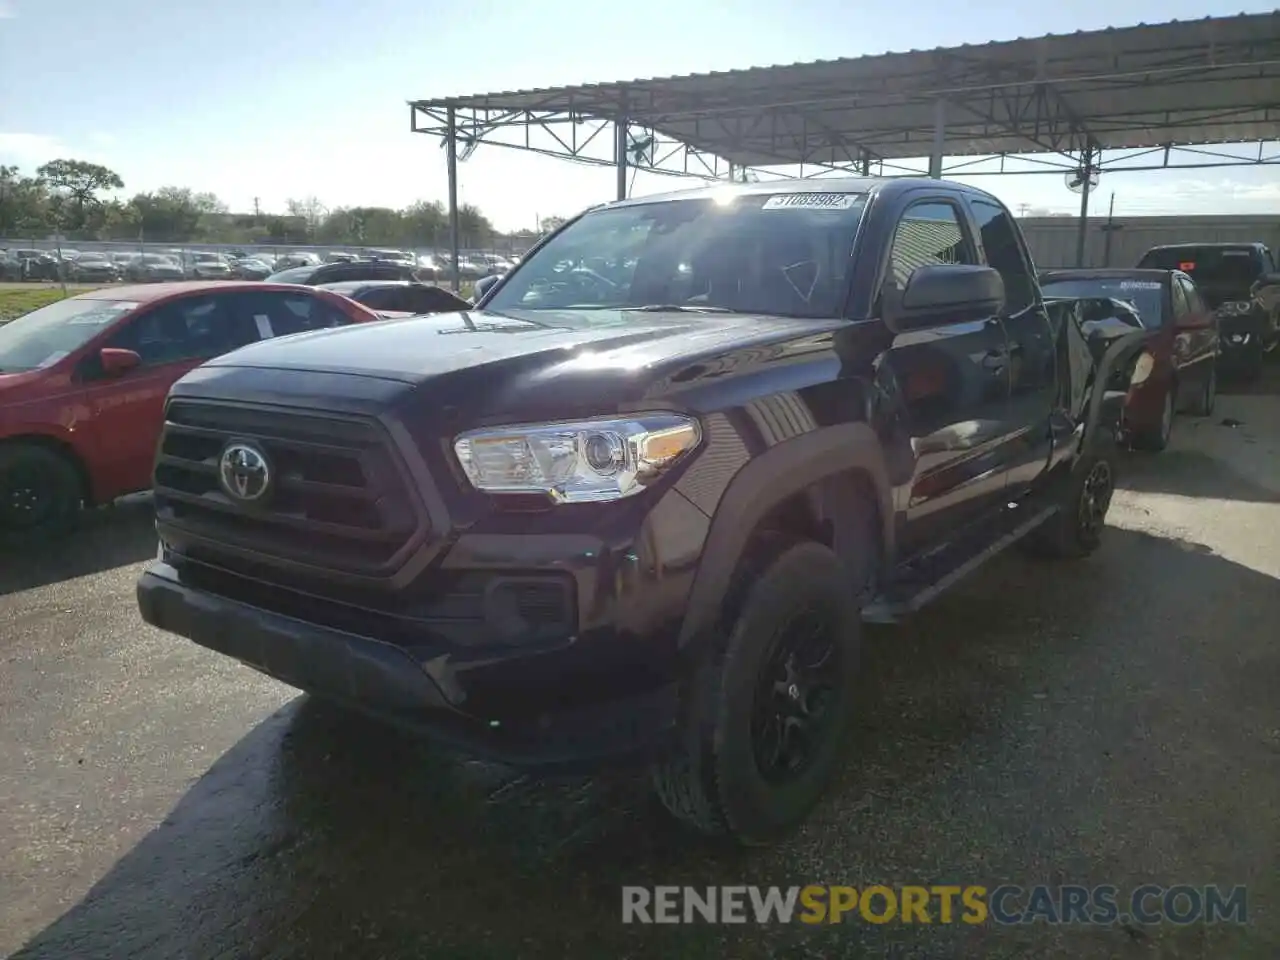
x=153, y=266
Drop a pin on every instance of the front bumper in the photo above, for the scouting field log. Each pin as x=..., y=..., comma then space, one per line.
x=412, y=688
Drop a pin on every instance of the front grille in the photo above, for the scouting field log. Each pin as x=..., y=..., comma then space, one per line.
x=340, y=500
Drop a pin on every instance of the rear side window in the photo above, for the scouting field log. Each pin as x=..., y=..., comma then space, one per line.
x=282, y=314
x=1005, y=254
x=928, y=234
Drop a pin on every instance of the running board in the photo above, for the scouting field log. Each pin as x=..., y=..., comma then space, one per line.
x=885, y=610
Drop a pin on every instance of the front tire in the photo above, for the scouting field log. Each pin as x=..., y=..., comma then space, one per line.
x=40, y=495
x=769, y=713
x=1076, y=530
x=1208, y=394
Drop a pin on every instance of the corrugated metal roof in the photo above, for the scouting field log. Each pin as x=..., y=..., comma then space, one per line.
x=1215, y=80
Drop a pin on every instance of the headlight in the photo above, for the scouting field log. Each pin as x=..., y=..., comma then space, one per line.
x=1142, y=369
x=1235, y=308
x=583, y=461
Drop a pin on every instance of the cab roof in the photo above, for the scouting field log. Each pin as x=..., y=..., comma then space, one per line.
x=864, y=185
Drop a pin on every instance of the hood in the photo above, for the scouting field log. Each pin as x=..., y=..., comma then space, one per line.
x=562, y=362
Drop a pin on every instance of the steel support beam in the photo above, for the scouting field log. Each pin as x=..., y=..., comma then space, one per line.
x=939, y=138
x=451, y=160
x=1087, y=168
x=620, y=155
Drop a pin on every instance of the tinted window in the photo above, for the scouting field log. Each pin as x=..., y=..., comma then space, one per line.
x=189, y=329
x=928, y=233
x=1004, y=253
x=381, y=298
x=434, y=300
x=282, y=314
x=1221, y=266
x=787, y=255
x=1146, y=295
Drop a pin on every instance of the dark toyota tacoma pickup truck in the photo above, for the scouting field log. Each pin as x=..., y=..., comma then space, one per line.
x=638, y=503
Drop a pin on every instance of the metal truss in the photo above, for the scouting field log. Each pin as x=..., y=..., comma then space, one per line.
x=1057, y=138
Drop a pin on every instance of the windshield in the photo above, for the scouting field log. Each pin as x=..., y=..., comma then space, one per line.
x=43, y=337
x=785, y=254
x=1209, y=266
x=1146, y=295
x=159, y=258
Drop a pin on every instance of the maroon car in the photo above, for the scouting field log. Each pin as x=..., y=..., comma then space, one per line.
x=1177, y=367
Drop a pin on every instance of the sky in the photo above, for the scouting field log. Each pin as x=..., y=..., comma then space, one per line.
x=296, y=98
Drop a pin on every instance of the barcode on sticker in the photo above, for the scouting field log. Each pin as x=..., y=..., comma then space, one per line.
x=810, y=201
x=1140, y=285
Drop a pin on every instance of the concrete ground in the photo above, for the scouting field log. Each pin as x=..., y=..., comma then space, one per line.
x=1112, y=721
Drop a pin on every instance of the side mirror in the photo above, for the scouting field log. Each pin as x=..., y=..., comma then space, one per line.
x=117, y=362
x=483, y=286
x=1267, y=291
x=941, y=294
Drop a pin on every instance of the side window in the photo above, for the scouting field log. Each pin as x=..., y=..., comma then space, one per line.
x=280, y=314
x=382, y=298
x=434, y=300
x=197, y=328
x=1268, y=261
x=928, y=233
x=1005, y=254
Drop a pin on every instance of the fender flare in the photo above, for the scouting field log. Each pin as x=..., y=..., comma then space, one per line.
x=782, y=471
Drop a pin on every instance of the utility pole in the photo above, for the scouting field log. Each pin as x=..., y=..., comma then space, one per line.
x=257, y=208
x=1108, y=229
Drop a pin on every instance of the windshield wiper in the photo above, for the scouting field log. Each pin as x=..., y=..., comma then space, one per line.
x=678, y=308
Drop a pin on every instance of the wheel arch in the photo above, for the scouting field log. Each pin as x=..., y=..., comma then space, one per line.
x=814, y=484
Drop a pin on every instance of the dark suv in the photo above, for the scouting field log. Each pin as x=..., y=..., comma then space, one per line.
x=1228, y=276
x=641, y=508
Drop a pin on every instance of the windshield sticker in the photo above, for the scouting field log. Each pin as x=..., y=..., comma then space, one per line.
x=810, y=201
x=1141, y=285
x=51, y=359
x=263, y=323
x=1186, y=266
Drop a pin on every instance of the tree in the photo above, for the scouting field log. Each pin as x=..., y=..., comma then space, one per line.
x=550, y=224
x=310, y=210
x=76, y=184
x=474, y=228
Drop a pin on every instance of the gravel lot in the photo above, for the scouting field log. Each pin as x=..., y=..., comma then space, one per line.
x=1115, y=721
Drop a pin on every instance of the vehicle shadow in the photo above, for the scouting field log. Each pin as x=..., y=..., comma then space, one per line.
x=1191, y=473
x=320, y=834
x=108, y=537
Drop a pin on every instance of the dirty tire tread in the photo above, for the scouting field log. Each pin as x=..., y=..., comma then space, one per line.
x=689, y=781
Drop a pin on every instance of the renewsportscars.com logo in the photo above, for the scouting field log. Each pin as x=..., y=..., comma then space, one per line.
x=1006, y=904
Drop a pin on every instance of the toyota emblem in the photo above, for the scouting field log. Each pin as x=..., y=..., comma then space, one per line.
x=244, y=472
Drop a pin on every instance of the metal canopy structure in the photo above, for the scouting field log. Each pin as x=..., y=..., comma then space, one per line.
x=1135, y=98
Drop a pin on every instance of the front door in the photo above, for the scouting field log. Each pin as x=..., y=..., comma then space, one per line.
x=953, y=384
x=1033, y=382
x=126, y=413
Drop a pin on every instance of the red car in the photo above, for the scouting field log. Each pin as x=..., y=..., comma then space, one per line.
x=1177, y=367
x=83, y=383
